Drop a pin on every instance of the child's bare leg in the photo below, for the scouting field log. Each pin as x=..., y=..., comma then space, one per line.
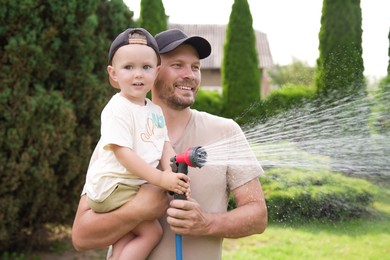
x=119, y=245
x=147, y=236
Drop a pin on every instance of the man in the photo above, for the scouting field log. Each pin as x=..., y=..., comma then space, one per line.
x=203, y=221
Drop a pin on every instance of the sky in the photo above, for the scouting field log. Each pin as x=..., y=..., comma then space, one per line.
x=292, y=26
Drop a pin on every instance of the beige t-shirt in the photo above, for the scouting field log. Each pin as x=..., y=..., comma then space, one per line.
x=211, y=184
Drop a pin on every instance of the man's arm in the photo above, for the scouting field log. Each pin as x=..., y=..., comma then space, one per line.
x=97, y=230
x=249, y=217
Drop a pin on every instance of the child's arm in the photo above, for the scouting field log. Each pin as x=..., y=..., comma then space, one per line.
x=176, y=182
x=167, y=154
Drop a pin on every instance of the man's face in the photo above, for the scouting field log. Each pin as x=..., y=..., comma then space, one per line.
x=179, y=77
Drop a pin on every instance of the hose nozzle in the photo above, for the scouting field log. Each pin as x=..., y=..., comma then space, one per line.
x=194, y=157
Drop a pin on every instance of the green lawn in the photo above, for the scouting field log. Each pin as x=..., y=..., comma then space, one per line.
x=367, y=238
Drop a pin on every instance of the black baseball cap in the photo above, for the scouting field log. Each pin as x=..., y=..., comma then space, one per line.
x=124, y=38
x=171, y=39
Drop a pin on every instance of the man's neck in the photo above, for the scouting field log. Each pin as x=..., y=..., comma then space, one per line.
x=176, y=121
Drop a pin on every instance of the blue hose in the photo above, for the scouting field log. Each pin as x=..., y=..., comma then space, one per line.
x=181, y=167
x=179, y=247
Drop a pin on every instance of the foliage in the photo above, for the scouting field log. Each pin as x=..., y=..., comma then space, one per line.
x=13, y=256
x=53, y=87
x=240, y=65
x=152, y=16
x=381, y=110
x=380, y=119
x=299, y=195
x=296, y=73
x=388, y=54
x=208, y=101
x=340, y=64
x=288, y=97
x=113, y=18
x=293, y=194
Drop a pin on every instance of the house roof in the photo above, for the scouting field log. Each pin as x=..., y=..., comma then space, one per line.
x=215, y=34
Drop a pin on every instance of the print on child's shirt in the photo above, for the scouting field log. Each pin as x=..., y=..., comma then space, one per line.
x=153, y=129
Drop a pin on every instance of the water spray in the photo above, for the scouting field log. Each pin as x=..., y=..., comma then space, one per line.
x=194, y=157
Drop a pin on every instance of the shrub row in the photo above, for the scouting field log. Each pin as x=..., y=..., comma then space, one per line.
x=278, y=101
x=296, y=194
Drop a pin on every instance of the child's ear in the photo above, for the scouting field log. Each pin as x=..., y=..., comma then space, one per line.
x=111, y=72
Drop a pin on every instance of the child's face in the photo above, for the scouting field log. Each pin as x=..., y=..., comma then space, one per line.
x=134, y=67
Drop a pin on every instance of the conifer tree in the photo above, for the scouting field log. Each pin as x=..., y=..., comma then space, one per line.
x=388, y=53
x=240, y=65
x=339, y=75
x=340, y=64
x=382, y=101
x=152, y=16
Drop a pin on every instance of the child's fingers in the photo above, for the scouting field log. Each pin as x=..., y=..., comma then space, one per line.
x=184, y=185
x=183, y=177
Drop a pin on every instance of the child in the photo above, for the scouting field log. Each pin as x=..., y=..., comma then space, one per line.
x=133, y=141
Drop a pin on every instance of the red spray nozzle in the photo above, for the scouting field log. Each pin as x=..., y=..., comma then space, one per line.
x=194, y=157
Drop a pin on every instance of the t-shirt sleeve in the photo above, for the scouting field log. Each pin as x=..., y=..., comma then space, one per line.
x=116, y=129
x=243, y=165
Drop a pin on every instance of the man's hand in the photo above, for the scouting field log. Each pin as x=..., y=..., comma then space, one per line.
x=186, y=217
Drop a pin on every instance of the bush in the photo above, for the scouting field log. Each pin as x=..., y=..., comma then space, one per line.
x=53, y=87
x=208, y=101
x=36, y=133
x=293, y=194
x=287, y=97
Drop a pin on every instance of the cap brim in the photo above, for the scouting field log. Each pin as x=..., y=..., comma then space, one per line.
x=201, y=45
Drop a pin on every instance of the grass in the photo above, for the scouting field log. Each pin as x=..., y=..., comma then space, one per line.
x=366, y=238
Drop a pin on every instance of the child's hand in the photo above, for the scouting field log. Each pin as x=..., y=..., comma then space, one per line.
x=176, y=182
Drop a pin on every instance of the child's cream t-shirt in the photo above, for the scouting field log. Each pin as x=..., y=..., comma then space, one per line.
x=123, y=123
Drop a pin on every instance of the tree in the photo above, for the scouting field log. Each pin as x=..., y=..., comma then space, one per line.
x=152, y=16
x=340, y=64
x=296, y=73
x=53, y=87
x=381, y=110
x=388, y=53
x=240, y=65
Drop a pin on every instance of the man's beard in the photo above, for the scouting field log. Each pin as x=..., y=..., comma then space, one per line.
x=167, y=94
